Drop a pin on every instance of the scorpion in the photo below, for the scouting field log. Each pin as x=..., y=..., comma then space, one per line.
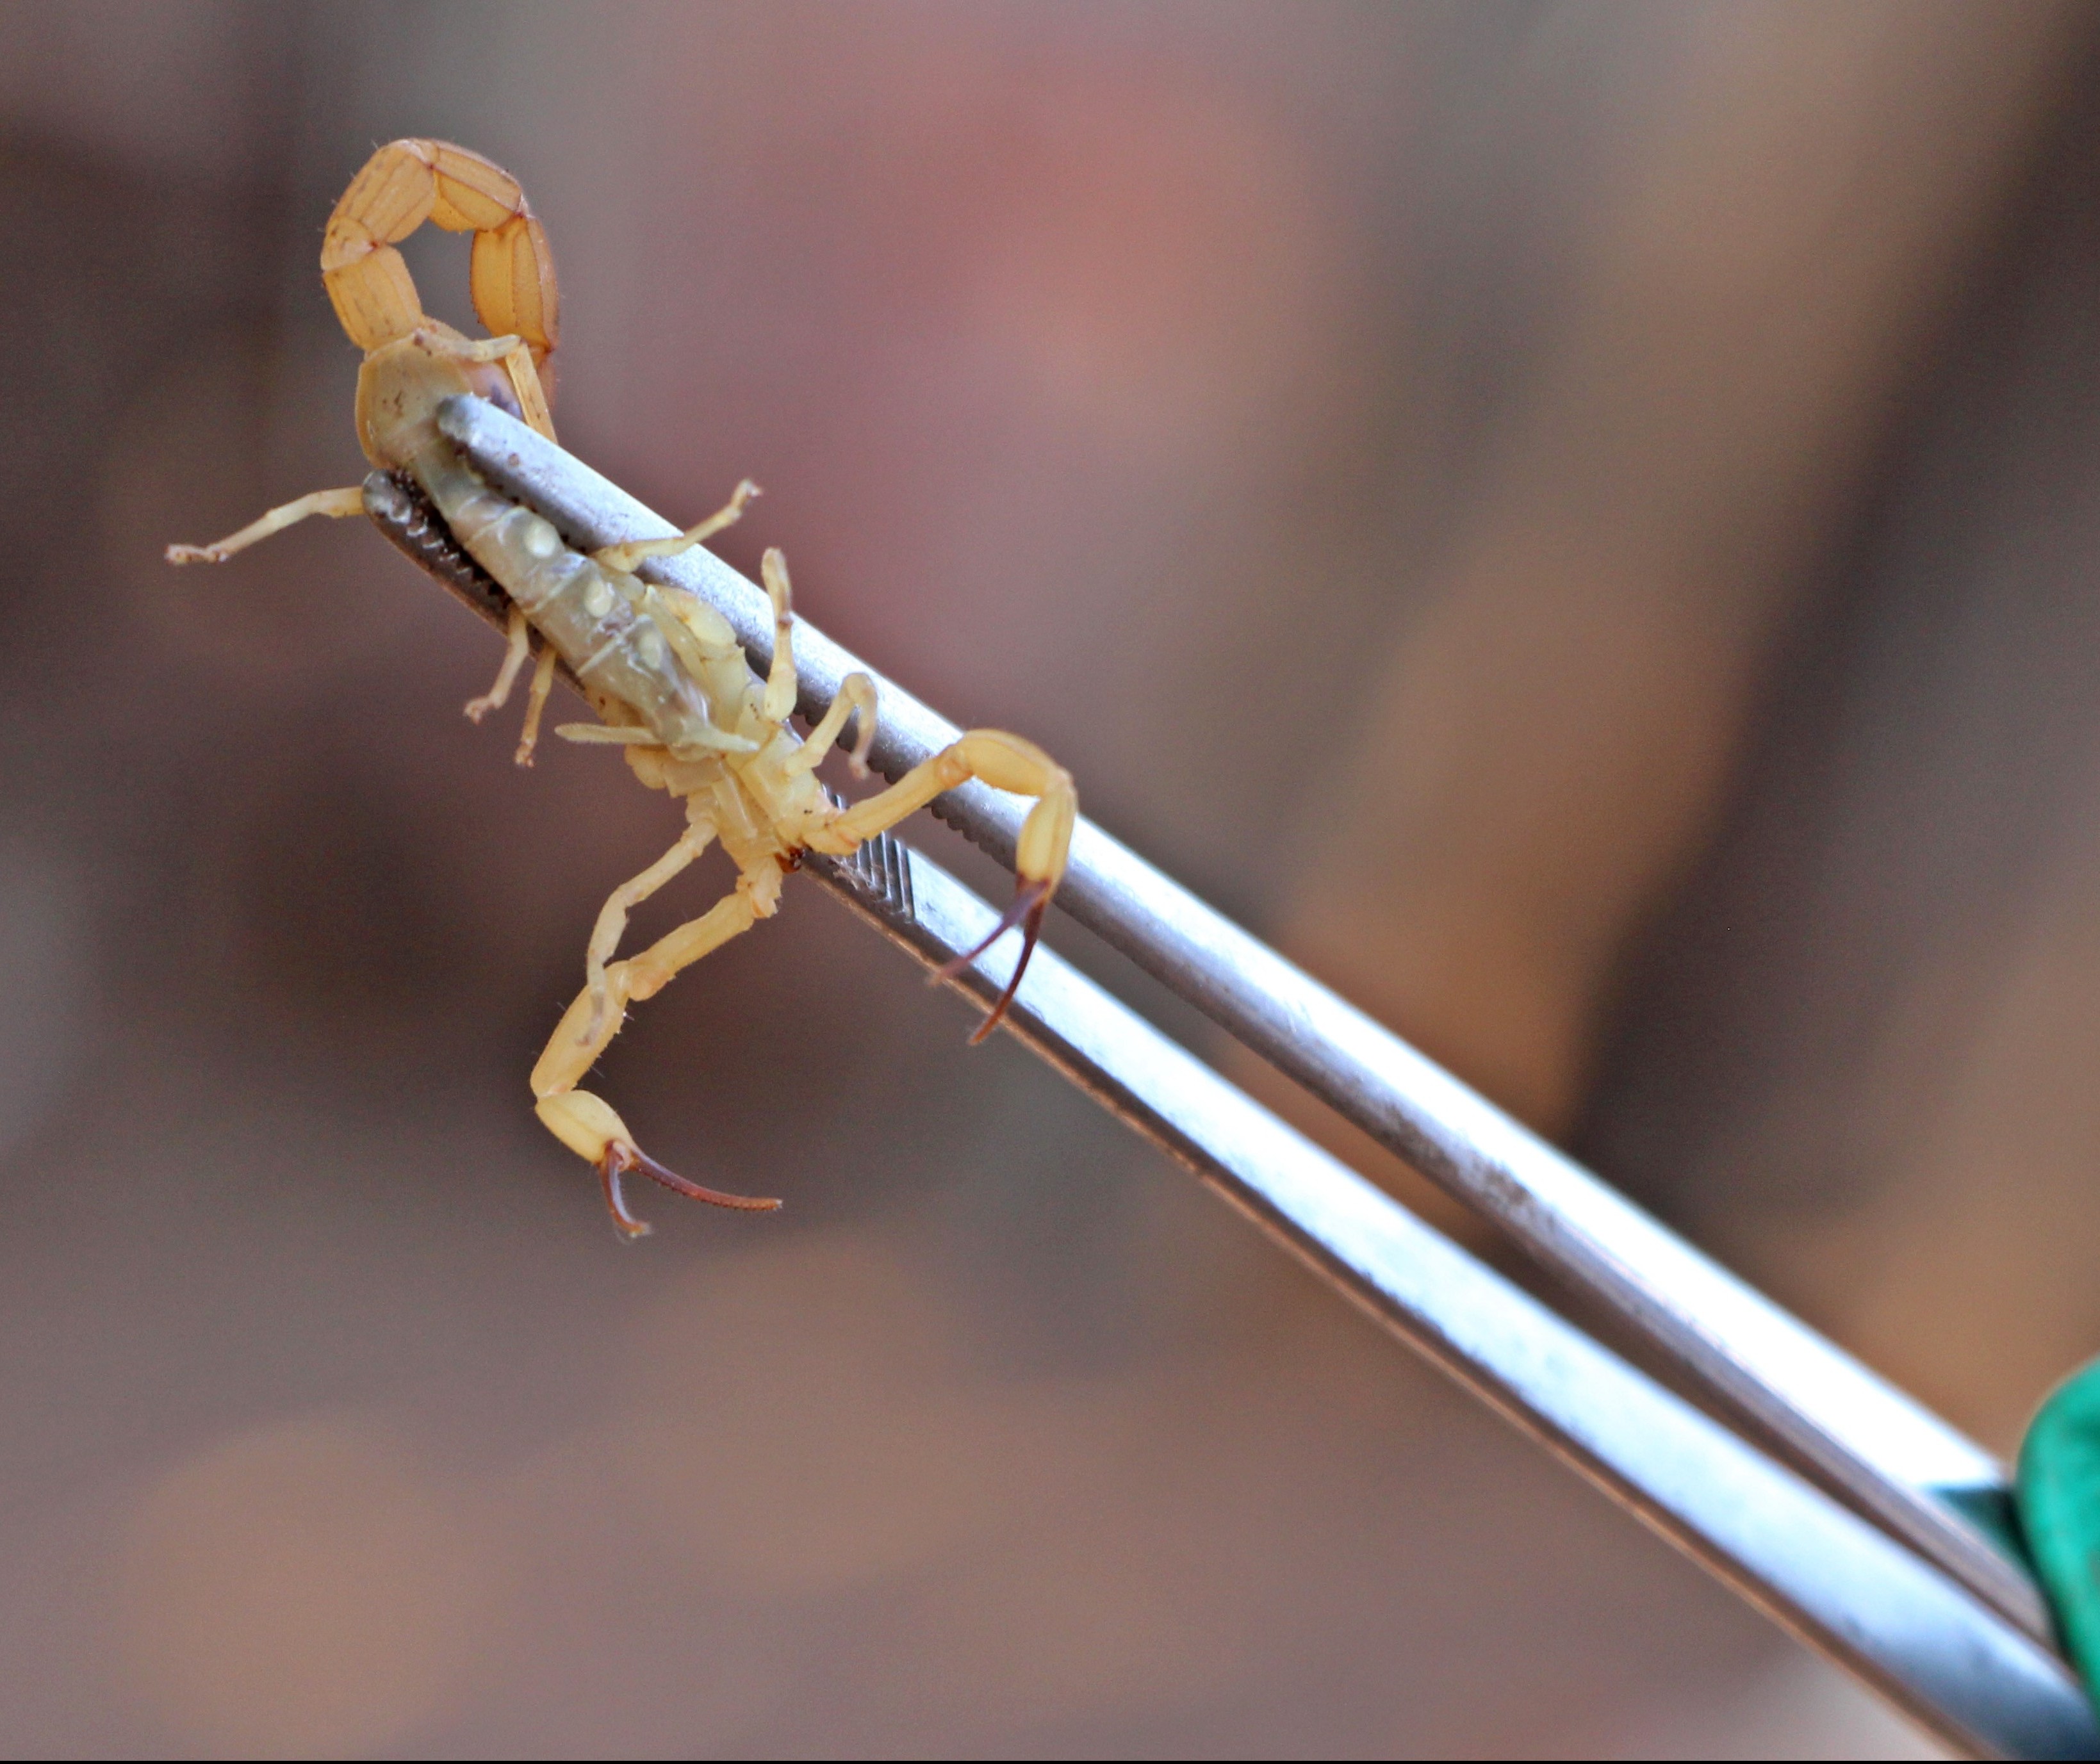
x=663, y=671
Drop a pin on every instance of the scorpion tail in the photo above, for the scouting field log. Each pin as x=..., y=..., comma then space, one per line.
x=511, y=274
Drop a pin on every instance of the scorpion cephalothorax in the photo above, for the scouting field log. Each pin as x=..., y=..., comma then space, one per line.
x=665, y=674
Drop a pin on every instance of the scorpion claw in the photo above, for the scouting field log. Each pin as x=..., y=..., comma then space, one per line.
x=1026, y=909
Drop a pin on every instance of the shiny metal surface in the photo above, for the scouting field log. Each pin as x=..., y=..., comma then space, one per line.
x=1845, y=1587
x=1842, y=1586
x=1876, y=1448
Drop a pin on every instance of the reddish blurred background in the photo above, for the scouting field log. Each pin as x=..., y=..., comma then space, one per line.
x=1578, y=521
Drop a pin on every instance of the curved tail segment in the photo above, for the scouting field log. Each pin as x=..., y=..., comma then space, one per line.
x=403, y=185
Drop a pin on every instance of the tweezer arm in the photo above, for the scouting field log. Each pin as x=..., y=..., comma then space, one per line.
x=1880, y=1450
x=1850, y=1590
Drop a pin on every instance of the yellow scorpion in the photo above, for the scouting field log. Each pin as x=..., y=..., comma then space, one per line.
x=663, y=671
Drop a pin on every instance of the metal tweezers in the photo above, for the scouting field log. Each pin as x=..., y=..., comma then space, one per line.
x=1846, y=1512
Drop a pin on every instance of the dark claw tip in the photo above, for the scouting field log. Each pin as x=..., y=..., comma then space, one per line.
x=1026, y=911
x=619, y=1158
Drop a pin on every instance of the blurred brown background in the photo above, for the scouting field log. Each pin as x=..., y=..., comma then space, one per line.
x=1580, y=522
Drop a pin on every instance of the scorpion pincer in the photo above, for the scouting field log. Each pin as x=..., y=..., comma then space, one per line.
x=670, y=684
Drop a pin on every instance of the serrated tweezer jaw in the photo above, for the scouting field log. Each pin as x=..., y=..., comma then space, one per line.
x=879, y=871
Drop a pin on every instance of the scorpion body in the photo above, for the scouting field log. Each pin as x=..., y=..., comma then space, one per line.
x=670, y=684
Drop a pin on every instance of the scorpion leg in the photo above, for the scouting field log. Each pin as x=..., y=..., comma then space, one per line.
x=624, y=557
x=586, y=1123
x=335, y=504
x=518, y=634
x=856, y=693
x=612, y=916
x=535, y=702
x=779, y=698
x=1005, y=762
